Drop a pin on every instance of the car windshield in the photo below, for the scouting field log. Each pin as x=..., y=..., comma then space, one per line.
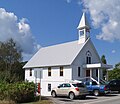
x=78, y=85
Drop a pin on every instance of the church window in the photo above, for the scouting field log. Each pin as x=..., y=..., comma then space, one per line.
x=78, y=71
x=61, y=71
x=81, y=32
x=49, y=87
x=30, y=72
x=88, y=57
x=49, y=71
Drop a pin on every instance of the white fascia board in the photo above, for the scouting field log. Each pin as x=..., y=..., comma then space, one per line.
x=97, y=65
x=42, y=66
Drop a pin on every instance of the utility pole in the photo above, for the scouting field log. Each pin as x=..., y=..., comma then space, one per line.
x=40, y=85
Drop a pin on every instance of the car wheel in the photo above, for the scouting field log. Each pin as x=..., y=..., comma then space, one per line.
x=96, y=92
x=53, y=94
x=71, y=95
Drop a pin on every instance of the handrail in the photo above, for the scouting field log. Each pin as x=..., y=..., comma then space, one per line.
x=88, y=79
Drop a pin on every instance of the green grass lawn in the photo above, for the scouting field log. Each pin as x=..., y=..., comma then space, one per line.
x=44, y=100
x=41, y=102
x=37, y=102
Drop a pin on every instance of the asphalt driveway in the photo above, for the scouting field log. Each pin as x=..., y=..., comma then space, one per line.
x=108, y=99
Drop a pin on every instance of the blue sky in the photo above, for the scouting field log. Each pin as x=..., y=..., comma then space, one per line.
x=49, y=22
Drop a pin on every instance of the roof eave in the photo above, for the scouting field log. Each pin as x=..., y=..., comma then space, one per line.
x=43, y=66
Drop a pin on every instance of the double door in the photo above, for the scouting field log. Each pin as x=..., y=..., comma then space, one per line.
x=88, y=73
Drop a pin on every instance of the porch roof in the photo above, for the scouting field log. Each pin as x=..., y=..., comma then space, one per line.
x=97, y=65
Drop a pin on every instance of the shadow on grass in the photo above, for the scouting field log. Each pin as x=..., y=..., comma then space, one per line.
x=44, y=100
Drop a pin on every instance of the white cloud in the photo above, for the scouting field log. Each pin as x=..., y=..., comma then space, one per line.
x=105, y=14
x=113, y=51
x=19, y=30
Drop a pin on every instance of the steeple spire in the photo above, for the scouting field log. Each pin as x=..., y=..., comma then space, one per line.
x=83, y=22
x=83, y=29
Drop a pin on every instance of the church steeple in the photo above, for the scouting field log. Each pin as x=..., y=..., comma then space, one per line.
x=83, y=29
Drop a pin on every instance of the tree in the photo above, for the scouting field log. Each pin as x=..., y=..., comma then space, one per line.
x=103, y=60
x=10, y=53
x=115, y=73
x=117, y=65
x=10, y=61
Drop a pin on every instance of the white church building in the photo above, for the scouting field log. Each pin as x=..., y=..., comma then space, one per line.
x=64, y=62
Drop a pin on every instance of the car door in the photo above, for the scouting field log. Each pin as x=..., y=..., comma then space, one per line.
x=88, y=85
x=60, y=89
x=95, y=86
x=63, y=89
x=66, y=89
x=113, y=85
x=117, y=85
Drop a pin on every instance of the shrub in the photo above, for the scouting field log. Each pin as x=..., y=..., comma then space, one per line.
x=18, y=92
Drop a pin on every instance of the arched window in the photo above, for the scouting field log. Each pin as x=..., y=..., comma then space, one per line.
x=88, y=57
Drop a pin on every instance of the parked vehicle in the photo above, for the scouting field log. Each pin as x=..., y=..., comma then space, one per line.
x=96, y=89
x=71, y=90
x=114, y=85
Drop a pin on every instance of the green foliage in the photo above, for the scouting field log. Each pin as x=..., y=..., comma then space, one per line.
x=15, y=75
x=114, y=74
x=18, y=92
x=117, y=65
x=9, y=53
x=10, y=62
x=7, y=102
x=103, y=60
x=11, y=74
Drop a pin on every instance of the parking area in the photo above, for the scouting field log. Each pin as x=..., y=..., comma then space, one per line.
x=108, y=99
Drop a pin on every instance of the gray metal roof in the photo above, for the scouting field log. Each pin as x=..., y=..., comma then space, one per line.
x=56, y=55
